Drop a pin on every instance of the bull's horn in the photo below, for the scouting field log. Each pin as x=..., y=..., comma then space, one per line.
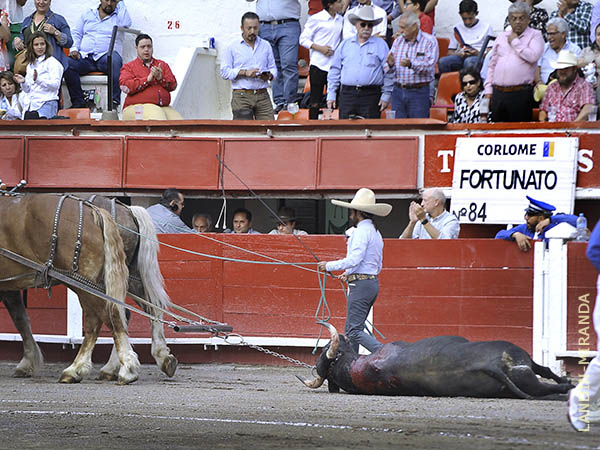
x=335, y=340
x=314, y=384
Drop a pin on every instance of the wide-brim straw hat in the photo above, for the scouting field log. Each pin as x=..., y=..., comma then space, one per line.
x=535, y=2
x=364, y=200
x=565, y=59
x=364, y=14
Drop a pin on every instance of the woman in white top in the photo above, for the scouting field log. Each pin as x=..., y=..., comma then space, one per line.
x=42, y=80
x=322, y=34
x=11, y=97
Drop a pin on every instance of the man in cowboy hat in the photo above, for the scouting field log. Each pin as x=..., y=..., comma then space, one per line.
x=571, y=98
x=379, y=29
x=538, y=220
x=430, y=220
x=361, y=265
x=358, y=66
x=287, y=223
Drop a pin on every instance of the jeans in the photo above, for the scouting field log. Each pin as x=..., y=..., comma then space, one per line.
x=47, y=111
x=411, y=103
x=83, y=66
x=453, y=63
x=284, y=42
x=360, y=300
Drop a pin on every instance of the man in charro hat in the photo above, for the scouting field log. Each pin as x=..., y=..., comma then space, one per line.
x=539, y=218
x=361, y=265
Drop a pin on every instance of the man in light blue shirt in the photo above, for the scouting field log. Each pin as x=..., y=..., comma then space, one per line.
x=165, y=215
x=249, y=64
x=91, y=40
x=362, y=264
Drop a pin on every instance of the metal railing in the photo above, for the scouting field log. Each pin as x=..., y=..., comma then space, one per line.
x=111, y=48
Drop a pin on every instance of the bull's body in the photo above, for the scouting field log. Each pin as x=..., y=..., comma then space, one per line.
x=445, y=366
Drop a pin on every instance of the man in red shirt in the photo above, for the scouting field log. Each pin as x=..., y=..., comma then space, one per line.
x=147, y=83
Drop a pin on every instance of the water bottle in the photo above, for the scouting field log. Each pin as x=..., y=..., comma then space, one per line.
x=581, y=228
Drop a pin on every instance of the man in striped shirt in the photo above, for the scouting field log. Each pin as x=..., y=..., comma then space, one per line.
x=412, y=58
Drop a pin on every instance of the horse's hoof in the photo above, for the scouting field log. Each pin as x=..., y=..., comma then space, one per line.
x=20, y=373
x=169, y=366
x=105, y=376
x=127, y=380
x=68, y=379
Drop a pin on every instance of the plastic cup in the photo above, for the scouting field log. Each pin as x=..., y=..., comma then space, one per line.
x=390, y=114
x=593, y=113
x=139, y=112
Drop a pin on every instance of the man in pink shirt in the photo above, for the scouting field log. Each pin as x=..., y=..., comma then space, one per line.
x=510, y=77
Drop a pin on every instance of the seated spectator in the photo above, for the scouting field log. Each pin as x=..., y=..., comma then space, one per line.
x=571, y=98
x=4, y=40
x=11, y=98
x=242, y=222
x=53, y=25
x=511, y=73
x=467, y=40
x=557, y=29
x=166, y=214
x=89, y=53
x=148, y=82
x=42, y=80
x=14, y=12
x=399, y=7
x=430, y=220
x=467, y=103
x=288, y=217
x=538, y=17
x=578, y=14
x=417, y=7
x=202, y=223
x=322, y=34
x=379, y=29
x=591, y=56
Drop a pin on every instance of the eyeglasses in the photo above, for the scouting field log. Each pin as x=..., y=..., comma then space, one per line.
x=366, y=25
x=469, y=82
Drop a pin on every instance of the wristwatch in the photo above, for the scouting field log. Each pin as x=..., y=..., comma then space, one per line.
x=425, y=221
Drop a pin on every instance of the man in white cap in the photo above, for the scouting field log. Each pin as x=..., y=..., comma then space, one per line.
x=361, y=265
x=572, y=98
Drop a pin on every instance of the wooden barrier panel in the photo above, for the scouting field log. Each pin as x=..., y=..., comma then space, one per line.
x=11, y=163
x=47, y=315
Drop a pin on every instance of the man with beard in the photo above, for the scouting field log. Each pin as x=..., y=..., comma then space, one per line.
x=572, y=97
x=91, y=39
x=538, y=220
x=361, y=265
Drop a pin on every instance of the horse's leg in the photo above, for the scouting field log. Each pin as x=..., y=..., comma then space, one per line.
x=32, y=355
x=128, y=372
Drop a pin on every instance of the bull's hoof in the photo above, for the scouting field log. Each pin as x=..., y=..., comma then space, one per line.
x=106, y=376
x=169, y=365
x=21, y=373
x=68, y=379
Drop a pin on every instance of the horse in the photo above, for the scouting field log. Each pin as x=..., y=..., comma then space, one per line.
x=68, y=236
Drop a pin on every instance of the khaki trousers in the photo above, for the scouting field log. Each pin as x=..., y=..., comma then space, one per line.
x=152, y=112
x=258, y=102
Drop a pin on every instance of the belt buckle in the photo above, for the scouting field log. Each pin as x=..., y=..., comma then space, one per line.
x=358, y=88
x=274, y=22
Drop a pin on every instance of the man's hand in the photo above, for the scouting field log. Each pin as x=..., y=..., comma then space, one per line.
x=470, y=51
x=325, y=49
x=523, y=241
x=18, y=44
x=74, y=54
x=563, y=8
x=321, y=266
x=541, y=225
x=512, y=36
x=155, y=74
x=391, y=60
x=420, y=212
x=343, y=277
x=19, y=78
x=405, y=62
x=383, y=105
x=412, y=215
x=331, y=104
x=251, y=73
x=266, y=76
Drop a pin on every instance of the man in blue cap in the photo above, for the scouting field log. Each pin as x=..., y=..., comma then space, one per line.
x=538, y=219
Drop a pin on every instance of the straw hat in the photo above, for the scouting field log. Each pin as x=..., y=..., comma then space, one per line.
x=364, y=14
x=364, y=200
x=565, y=59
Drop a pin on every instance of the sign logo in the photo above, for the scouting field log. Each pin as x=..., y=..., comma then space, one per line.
x=548, y=149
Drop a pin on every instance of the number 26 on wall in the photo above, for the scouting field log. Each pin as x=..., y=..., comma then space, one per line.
x=173, y=25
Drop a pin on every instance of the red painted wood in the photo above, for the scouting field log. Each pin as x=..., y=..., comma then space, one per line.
x=11, y=163
x=74, y=162
x=281, y=164
x=380, y=163
x=162, y=162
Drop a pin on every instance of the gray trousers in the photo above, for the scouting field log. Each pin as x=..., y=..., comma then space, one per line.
x=360, y=300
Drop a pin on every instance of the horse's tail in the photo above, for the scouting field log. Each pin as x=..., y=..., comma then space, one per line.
x=116, y=272
x=147, y=259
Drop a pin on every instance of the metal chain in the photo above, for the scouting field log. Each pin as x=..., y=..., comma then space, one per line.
x=77, y=250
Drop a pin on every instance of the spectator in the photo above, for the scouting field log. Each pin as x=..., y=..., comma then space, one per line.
x=538, y=17
x=287, y=223
x=202, y=223
x=14, y=9
x=571, y=98
x=467, y=103
x=511, y=73
x=148, y=82
x=89, y=53
x=358, y=66
x=42, y=80
x=11, y=98
x=417, y=7
x=242, y=222
x=429, y=9
x=591, y=55
x=578, y=14
x=430, y=220
x=250, y=65
x=467, y=40
x=412, y=58
x=166, y=214
x=594, y=21
x=538, y=220
x=280, y=26
x=322, y=34
x=4, y=40
x=557, y=29
x=54, y=25
x=379, y=29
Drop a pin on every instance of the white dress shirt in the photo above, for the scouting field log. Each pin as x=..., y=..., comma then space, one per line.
x=322, y=29
x=45, y=87
x=381, y=29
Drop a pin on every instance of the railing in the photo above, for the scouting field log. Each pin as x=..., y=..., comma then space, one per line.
x=111, y=48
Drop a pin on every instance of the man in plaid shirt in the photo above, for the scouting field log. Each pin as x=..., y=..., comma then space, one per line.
x=578, y=14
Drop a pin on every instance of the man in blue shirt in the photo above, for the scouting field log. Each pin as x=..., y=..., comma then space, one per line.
x=91, y=40
x=361, y=265
x=165, y=215
x=538, y=220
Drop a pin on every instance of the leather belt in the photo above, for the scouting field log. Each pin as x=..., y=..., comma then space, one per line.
x=412, y=86
x=251, y=91
x=368, y=88
x=278, y=22
x=360, y=276
x=517, y=88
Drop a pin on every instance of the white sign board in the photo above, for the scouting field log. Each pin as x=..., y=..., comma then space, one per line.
x=492, y=176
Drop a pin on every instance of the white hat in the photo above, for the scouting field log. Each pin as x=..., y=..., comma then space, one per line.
x=364, y=200
x=565, y=59
x=364, y=14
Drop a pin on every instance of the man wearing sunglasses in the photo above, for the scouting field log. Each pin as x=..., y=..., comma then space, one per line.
x=380, y=29
x=357, y=71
